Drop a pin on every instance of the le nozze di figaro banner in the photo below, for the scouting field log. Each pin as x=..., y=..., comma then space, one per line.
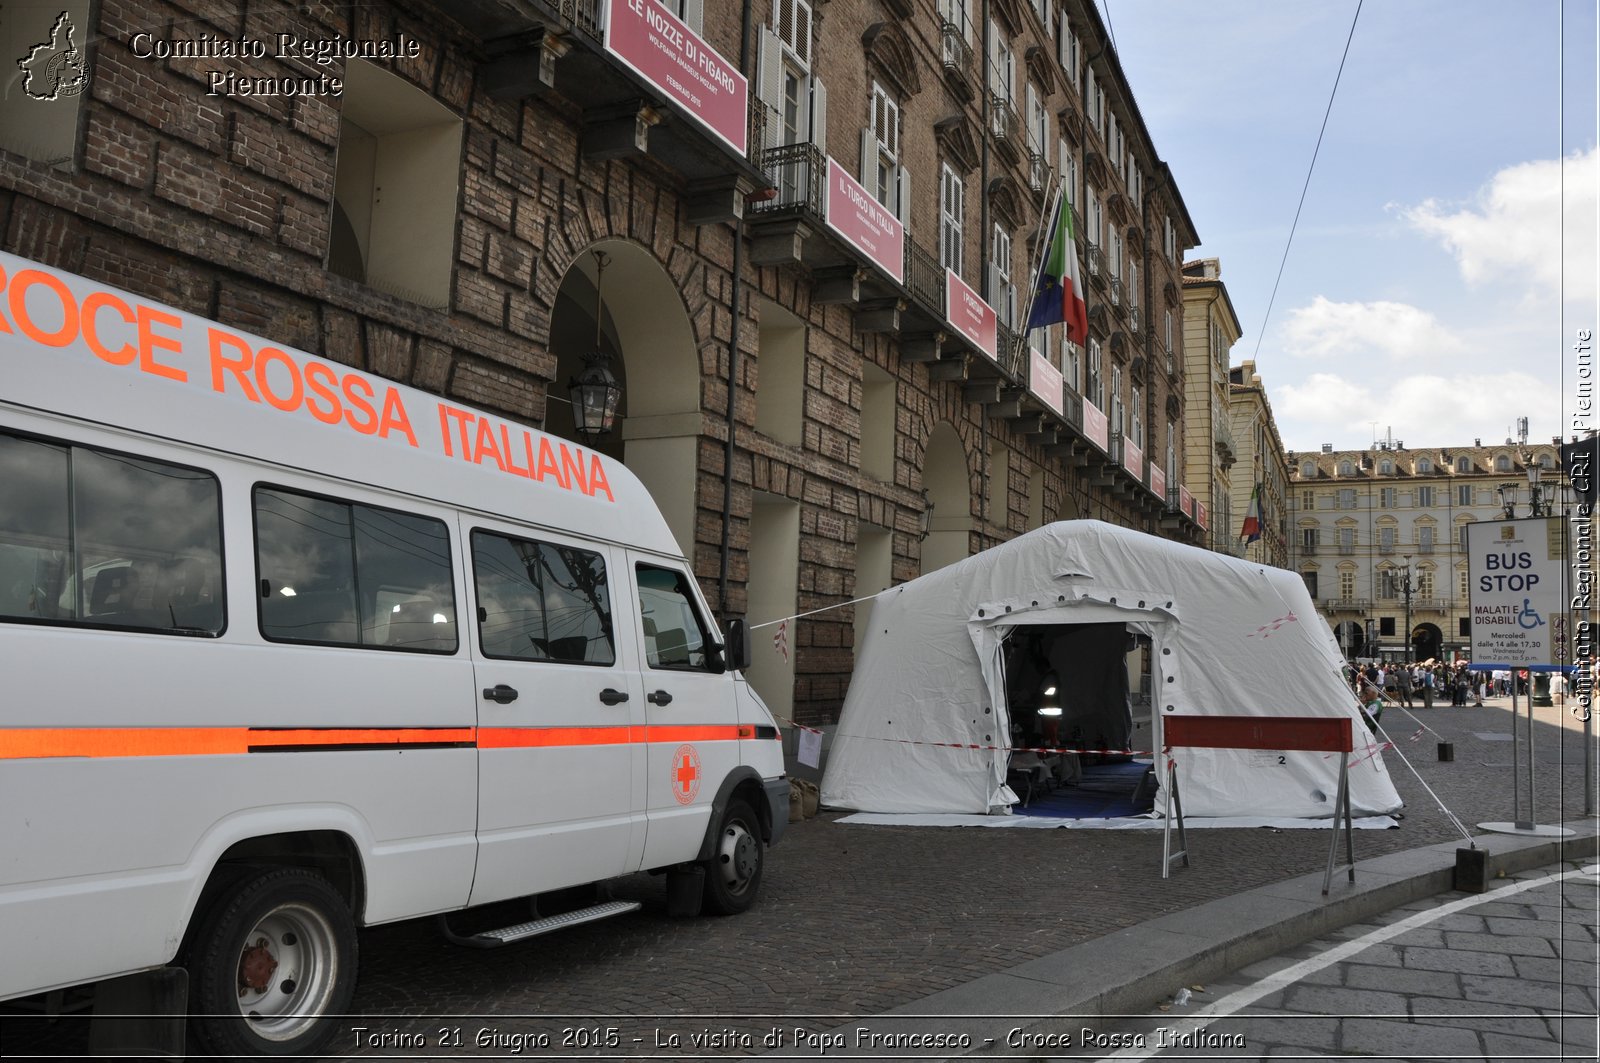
x=1515, y=572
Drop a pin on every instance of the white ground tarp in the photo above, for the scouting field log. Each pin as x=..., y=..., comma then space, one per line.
x=925, y=723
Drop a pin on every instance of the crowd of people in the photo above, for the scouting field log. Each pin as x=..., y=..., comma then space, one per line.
x=1427, y=684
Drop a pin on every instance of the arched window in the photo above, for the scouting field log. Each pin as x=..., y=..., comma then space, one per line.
x=1424, y=465
x=1308, y=470
x=1346, y=469
x=1502, y=463
x=1546, y=461
x=1463, y=465
x=1386, y=466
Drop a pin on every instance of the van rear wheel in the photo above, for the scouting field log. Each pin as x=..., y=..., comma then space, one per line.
x=274, y=958
x=733, y=874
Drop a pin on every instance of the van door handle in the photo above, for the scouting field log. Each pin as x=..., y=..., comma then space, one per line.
x=501, y=694
x=659, y=697
x=612, y=697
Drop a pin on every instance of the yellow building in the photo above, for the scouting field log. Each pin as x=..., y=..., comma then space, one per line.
x=1210, y=329
x=1261, y=466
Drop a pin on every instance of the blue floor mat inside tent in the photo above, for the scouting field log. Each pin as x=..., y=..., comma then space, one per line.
x=1106, y=792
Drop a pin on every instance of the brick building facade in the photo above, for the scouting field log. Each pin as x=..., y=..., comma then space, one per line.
x=488, y=174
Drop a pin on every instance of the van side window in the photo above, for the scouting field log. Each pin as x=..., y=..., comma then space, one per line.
x=352, y=575
x=541, y=601
x=102, y=539
x=674, y=635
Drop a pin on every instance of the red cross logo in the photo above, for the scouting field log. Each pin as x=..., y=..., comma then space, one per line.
x=685, y=774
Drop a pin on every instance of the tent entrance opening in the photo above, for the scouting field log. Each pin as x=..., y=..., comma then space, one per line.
x=1081, y=688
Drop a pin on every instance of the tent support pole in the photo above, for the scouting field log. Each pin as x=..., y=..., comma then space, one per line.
x=1174, y=801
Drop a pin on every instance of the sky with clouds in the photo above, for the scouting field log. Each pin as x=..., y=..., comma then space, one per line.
x=1446, y=253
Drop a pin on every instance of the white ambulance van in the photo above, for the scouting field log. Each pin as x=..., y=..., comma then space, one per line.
x=289, y=650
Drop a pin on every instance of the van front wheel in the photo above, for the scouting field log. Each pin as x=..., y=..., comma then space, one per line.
x=273, y=959
x=733, y=874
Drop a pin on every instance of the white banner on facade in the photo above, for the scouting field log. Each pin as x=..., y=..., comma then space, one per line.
x=1515, y=573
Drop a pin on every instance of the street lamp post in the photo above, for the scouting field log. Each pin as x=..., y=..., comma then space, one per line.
x=1405, y=589
x=1538, y=682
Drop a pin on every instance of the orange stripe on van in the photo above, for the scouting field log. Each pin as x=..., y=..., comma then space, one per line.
x=692, y=733
x=526, y=737
x=45, y=742
x=19, y=744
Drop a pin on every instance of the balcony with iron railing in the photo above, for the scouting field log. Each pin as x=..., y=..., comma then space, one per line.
x=1135, y=317
x=1346, y=604
x=1222, y=436
x=1116, y=291
x=924, y=278
x=1093, y=260
x=797, y=172
x=1006, y=126
x=583, y=16
x=956, y=53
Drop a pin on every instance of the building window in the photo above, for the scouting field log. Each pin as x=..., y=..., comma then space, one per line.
x=880, y=144
x=1347, y=498
x=1347, y=585
x=1386, y=466
x=1347, y=468
x=1388, y=585
x=395, y=187
x=1502, y=463
x=1386, y=626
x=1386, y=537
x=1424, y=586
x=1308, y=500
x=1119, y=413
x=1135, y=417
x=1461, y=585
x=47, y=71
x=1309, y=538
x=952, y=218
x=1463, y=465
x=1310, y=579
x=1425, y=539
x=1347, y=540
x=1308, y=470
x=1425, y=495
x=1002, y=291
x=796, y=101
x=1095, y=391
x=1463, y=494
x=1386, y=497
x=1002, y=65
x=1170, y=240
x=1167, y=330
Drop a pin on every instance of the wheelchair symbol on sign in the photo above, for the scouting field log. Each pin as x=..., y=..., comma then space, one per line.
x=1529, y=617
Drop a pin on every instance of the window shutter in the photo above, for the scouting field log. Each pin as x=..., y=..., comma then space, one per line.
x=769, y=83
x=802, y=31
x=694, y=14
x=819, y=115
x=869, y=154
x=903, y=181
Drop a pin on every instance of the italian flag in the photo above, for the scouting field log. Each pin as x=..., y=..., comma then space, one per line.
x=1252, y=519
x=1058, y=294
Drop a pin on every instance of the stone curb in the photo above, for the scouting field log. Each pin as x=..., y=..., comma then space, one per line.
x=1128, y=971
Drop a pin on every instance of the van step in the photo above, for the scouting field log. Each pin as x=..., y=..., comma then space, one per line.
x=493, y=939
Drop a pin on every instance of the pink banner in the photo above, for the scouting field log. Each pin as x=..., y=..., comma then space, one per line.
x=656, y=45
x=969, y=315
x=1045, y=381
x=1158, y=481
x=1095, y=426
x=865, y=224
x=1133, y=458
x=1186, y=501
x=1200, y=517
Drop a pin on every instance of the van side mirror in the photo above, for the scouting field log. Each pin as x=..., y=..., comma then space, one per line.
x=737, y=649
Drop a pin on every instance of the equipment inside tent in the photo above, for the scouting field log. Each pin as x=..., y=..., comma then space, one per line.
x=931, y=714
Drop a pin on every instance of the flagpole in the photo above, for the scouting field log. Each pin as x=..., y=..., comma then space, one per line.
x=1057, y=189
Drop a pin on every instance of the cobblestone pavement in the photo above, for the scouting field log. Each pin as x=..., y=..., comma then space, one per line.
x=1509, y=974
x=855, y=920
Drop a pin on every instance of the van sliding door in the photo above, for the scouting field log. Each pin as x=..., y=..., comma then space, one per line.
x=560, y=801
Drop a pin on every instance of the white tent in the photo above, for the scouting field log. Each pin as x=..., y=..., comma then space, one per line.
x=925, y=723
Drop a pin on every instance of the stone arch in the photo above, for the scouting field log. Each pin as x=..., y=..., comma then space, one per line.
x=947, y=483
x=647, y=332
